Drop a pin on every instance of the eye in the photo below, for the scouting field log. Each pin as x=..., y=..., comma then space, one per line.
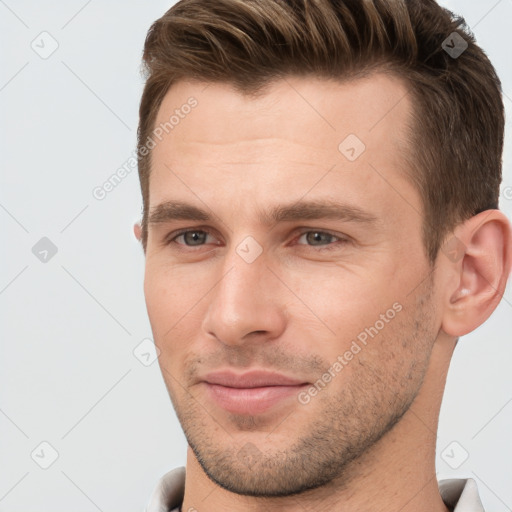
x=311, y=238
x=191, y=237
x=320, y=238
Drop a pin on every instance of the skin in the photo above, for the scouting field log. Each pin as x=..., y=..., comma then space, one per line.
x=367, y=440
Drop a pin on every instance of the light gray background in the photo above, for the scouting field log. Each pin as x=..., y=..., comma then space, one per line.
x=69, y=326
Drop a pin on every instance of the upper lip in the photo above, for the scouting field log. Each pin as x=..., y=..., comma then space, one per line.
x=252, y=379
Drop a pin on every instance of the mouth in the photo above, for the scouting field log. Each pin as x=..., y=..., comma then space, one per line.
x=252, y=392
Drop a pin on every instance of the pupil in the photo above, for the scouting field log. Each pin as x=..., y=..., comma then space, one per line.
x=195, y=237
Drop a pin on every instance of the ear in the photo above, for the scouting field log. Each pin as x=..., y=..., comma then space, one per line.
x=476, y=262
x=137, y=231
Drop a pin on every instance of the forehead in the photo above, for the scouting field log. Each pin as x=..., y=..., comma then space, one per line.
x=214, y=139
x=366, y=106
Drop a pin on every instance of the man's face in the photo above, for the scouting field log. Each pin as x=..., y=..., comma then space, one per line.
x=298, y=293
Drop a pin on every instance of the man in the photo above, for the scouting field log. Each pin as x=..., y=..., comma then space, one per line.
x=320, y=182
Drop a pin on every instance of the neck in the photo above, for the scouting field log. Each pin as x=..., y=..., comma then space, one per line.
x=398, y=473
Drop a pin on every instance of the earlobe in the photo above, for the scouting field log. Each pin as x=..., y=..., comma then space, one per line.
x=481, y=272
x=137, y=231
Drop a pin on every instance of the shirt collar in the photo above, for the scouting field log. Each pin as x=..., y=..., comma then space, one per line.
x=461, y=494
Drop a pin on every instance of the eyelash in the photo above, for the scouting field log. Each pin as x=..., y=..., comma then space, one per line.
x=327, y=247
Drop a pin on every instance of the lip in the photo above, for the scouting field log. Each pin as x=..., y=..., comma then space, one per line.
x=252, y=379
x=251, y=393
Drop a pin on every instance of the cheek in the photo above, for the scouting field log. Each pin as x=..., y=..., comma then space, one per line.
x=165, y=303
x=351, y=317
x=169, y=291
x=175, y=310
x=345, y=300
x=159, y=299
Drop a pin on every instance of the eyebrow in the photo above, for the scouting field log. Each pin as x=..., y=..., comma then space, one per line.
x=168, y=211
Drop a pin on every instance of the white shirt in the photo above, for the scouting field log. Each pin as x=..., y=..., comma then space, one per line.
x=461, y=495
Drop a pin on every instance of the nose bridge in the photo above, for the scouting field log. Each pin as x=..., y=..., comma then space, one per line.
x=244, y=301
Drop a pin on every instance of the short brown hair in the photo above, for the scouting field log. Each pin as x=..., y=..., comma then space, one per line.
x=456, y=136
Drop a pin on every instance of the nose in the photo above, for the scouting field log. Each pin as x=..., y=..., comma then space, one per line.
x=245, y=305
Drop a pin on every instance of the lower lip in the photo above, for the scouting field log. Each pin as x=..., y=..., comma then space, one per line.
x=251, y=400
